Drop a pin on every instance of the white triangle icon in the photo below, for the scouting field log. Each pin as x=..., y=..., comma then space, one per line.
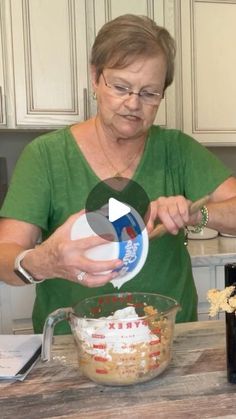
x=116, y=209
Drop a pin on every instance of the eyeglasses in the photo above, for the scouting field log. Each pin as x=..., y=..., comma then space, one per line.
x=146, y=96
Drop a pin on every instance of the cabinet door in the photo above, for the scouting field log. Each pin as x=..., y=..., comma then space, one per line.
x=22, y=301
x=50, y=61
x=209, y=61
x=16, y=305
x=2, y=78
x=204, y=278
x=220, y=284
x=162, y=11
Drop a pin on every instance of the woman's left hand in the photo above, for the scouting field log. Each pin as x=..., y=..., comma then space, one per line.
x=171, y=211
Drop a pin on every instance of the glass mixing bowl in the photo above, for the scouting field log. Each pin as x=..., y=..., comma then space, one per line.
x=122, y=339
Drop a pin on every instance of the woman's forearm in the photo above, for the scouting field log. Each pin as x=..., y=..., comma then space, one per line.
x=8, y=254
x=222, y=216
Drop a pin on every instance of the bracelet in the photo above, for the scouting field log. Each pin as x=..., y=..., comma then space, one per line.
x=23, y=273
x=203, y=223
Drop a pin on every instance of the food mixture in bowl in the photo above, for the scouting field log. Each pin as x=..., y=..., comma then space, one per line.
x=124, y=348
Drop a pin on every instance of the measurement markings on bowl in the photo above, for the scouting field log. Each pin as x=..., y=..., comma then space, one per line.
x=156, y=331
x=99, y=345
x=153, y=354
x=154, y=366
x=98, y=336
x=100, y=371
x=154, y=342
x=100, y=358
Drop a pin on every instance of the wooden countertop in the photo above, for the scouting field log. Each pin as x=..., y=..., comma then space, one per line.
x=194, y=386
x=217, y=251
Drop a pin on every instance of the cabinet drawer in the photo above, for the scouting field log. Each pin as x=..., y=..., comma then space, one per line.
x=22, y=301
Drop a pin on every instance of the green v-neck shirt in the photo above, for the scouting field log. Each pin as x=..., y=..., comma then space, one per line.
x=52, y=180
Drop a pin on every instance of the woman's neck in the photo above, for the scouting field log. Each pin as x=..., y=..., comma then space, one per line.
x=108, y=138
x=122, y=155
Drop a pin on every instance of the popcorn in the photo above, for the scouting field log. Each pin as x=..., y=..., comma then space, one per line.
x=221, y=300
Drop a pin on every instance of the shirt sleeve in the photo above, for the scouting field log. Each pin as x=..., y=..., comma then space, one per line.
x=28, y=197
x=203, y=171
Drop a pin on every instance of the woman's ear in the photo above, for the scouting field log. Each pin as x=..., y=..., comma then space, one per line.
x=93, y=73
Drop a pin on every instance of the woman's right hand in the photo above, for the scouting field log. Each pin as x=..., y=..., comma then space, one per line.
x=61, y=257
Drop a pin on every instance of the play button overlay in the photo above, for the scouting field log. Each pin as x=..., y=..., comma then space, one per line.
x=118, y=201
x=116, y=210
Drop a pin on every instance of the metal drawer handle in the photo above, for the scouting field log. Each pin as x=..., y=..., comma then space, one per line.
x=85, y=98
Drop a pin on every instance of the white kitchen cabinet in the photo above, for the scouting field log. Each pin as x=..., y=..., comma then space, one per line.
x=204, y=278
x=44, y=70
x=2, y=74
x=207, y=277
x=46, y=48
x=208, y=70
x=47, y=67
x=16, y=305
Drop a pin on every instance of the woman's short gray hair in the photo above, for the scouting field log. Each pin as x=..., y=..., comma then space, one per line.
x=127, y=37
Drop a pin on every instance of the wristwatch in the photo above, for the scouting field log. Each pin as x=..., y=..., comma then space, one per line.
x=21, y=272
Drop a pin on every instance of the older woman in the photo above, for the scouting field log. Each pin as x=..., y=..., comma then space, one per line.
x=132, y=64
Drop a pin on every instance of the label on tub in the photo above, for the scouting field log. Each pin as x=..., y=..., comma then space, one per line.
x=130, y=245
x=130, y=242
